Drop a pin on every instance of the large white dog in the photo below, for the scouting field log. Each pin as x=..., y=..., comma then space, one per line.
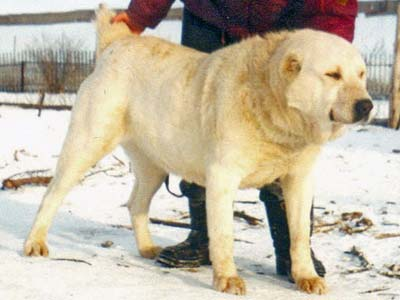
x=241, y=117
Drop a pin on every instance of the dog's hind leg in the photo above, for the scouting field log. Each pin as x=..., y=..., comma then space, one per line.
x=91, y=135
x=149, y=178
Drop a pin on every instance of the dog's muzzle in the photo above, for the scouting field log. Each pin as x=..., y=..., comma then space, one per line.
x=362, y=108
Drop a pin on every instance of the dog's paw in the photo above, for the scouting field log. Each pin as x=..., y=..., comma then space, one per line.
x=232, y=285
x=314, y=285
x=36, y=248
x=150, y=252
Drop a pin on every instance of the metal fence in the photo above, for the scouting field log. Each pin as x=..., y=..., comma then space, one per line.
x=63, y=71
x=45, y=71
x=379, y=74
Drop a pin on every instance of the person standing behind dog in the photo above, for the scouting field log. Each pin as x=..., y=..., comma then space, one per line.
x=208, y=26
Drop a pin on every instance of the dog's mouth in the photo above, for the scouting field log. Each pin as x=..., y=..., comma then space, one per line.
x=363, y=121
x=331, y=116
x=366, y=120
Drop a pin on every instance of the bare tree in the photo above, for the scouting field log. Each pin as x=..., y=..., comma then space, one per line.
x=58, y=61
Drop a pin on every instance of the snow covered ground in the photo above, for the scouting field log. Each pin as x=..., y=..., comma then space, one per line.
x=358, y=172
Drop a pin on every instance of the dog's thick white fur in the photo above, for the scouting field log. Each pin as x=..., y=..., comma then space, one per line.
x=241, y=117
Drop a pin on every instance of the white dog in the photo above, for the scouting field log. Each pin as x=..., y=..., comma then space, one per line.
x=241, y=117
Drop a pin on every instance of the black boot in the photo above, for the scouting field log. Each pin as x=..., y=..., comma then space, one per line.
x=276, y=214
x=193, y=252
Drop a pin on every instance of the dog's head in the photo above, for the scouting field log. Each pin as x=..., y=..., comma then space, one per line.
x=323, y=76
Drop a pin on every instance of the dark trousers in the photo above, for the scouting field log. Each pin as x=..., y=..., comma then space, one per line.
x=202, y=36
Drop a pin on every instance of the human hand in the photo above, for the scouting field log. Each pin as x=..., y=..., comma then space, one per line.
x=124, y=18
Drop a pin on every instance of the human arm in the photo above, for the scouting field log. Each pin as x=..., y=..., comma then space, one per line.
x=333, y=16
x=144, y=13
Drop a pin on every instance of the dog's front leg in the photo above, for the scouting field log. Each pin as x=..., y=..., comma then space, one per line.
x=221, y=186
x=297, y=188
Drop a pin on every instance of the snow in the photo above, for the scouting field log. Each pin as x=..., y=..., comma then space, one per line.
x=358, y=172
x=375, y=33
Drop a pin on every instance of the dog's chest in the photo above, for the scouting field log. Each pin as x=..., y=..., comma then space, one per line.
x=269, y=163
x=265, y=172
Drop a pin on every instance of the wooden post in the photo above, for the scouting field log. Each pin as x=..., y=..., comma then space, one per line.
x=42, y=94
x=394, y=107
x=22, y=79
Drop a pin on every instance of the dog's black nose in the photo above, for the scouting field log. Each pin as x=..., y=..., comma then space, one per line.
x=362, y=108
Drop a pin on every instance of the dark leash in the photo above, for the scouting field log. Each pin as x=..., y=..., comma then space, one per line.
x=166, y=182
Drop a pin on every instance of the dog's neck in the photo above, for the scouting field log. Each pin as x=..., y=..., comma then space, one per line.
x=288, y=126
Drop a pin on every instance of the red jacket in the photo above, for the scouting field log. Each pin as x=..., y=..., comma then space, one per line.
x=242, y=18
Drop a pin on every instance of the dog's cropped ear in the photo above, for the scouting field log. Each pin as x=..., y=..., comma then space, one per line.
x=290, y=68
x=291, y=65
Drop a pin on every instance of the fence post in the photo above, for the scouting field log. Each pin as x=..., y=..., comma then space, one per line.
x=394, y=107
x=22, y=81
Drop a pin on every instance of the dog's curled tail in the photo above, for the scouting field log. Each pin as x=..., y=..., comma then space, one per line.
x=106, y=31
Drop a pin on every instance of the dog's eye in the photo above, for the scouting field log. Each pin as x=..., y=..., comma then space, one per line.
x=335, y=75
x=362, y=73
